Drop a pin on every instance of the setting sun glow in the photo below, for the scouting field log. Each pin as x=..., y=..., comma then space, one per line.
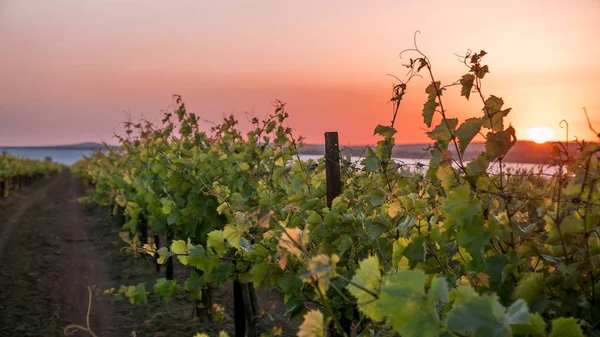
x=540, y=134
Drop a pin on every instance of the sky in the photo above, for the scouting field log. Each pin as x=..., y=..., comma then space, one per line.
x=73, y=70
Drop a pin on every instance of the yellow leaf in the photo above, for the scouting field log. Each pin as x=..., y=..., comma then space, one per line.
x=283, y=260
x=264, y=221
x=294, y=240
x=277, y=331
x=462, y=256
x=313, y=325
x=394, y=208
x=404, y=264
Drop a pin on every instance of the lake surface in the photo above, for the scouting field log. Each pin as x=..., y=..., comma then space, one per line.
x=409, y=163
x=62, y=156
x=70, y=156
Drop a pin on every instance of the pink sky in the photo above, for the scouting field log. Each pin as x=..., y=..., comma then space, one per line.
x=68, y=69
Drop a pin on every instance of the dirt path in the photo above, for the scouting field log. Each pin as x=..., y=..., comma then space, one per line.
x=47, y=260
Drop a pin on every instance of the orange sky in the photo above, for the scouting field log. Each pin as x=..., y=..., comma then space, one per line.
x=68, y=69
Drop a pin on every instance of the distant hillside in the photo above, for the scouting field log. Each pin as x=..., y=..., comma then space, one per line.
x=78, y=146
x=522, y=152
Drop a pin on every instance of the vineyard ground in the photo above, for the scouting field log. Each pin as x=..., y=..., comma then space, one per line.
x=52, y=248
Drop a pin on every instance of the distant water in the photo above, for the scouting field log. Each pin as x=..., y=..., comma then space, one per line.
x=416, y=163
x=62, y=156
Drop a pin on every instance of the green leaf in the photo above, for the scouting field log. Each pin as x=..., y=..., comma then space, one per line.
x=446, y=175
x=444, y=131
x=232, y=235
x=462, y=295
x=495, y=268
x=439, y=290
x=398, y=250
x=163, y=255
x=529, y=287
x=466, y=214
x=258, y=273
x=199, y=259
x=428, y=111
x=368, y=277
x=493, y=116
x=562, y=327
x=216, y=240
x=371, y=162
x=377, y=198
x=166, y=288
x=467, y=131
x=403, y=301
x=483, y=316
x=466, y=85
x=385, y=131
x=179, y=247
x=194, y=285
x=313, y=325
x=135, y=294
x=498, y=144
x=431, y=90
x=536, y=327
x=415, y=251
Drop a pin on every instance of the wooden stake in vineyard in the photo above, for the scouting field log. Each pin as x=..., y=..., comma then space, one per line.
x=332, y=166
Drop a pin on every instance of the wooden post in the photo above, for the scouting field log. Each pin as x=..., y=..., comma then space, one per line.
x=157, y=244
x=334, y=189
x=332, y=166
x=239, y=314
x=142, y=229
x=250, y=308
x=169, y=271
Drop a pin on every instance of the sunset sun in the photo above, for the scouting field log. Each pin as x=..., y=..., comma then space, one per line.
x=540, y=134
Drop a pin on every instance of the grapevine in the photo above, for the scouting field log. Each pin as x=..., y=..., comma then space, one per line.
x=453, y=249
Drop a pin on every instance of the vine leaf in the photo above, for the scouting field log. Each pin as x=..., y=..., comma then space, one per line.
x=194, y=284
x=385, y=131
x=368, y=277
x=499, y=143
x=466, y=214
x=294, y=240
x=371, y=162
x=432, y=91
x=563, y=326
x=466, y=85
x=135, y=294
x=444, y=131
x=321, y=270
x=166, y=288
x=485, y=316
x=529, y=287
x=216, y=240
x=493, y=115
x=428, y=111
x=467, y=131
x=439, y=289
x=233, y=236
x=313, y=325
x=537, y=328
x=409, y=311
x=180, y=248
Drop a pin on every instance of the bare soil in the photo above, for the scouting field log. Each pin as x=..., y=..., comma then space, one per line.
x=52, y=248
